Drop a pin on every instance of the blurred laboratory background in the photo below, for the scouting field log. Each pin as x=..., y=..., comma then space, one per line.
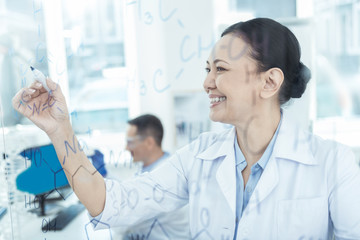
x=117, y=59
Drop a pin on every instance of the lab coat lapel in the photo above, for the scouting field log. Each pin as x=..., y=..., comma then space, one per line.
x=226, y=178
x=267, y=182
x=291, y=144
x=225, y=175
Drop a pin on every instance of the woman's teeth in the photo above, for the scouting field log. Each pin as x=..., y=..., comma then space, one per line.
x=217, y=99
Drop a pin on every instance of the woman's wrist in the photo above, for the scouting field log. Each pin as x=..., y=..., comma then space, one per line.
x=62, y=132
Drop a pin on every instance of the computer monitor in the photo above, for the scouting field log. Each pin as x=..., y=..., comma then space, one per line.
x=46, y=179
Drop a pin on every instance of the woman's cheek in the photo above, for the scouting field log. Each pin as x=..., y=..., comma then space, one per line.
x=217, y=82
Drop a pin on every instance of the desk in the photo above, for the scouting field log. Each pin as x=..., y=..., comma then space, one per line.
x=78, y=228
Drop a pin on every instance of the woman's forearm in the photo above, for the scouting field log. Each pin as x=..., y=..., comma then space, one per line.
x=86, y=182
x=84, y=179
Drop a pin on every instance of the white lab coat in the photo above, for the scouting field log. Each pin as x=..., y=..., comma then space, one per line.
x=309, y=189
x=173, y=224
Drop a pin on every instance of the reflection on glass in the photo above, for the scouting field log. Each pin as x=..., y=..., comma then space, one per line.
x=260, y=8
x=338, y=59
x=22, y=43
x=93, y=35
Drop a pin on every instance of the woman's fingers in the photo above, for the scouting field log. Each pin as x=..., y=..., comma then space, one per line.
x=54, y=87
x=38, y=86
x=24, y=96
x=35, y=89
x=29, y=91
x=36, y=92
x=55, y=90
x=51, y=84
x=20, y=99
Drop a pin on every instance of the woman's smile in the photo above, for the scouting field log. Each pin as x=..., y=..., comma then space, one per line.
x=216, y=100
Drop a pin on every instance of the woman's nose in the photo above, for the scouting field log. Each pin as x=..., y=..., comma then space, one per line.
x=209, y=82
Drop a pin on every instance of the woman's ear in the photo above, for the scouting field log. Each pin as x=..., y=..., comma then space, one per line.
x=273, y=79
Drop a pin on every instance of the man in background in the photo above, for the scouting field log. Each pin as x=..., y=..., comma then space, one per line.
x=144, y=137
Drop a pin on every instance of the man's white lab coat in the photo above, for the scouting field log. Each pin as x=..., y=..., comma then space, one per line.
x=309, y=189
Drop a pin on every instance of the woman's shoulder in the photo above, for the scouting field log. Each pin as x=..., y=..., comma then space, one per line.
x=208, y=139
x=331, y=153
x=327, y=145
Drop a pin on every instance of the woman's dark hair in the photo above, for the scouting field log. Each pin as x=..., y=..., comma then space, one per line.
x=274, y=45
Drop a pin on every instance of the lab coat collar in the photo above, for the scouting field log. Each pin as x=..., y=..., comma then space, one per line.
x=221, y=146
x=293, y=143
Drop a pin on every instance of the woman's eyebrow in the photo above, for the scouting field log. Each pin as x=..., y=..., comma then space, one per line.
x=216, y=61
x=220, y=60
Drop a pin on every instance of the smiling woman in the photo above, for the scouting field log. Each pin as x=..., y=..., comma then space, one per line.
x=274, y=45
x=254, y=69
x=248, y=49
x=264, y=172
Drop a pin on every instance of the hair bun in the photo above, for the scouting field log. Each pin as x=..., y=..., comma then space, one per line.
x=302, y=77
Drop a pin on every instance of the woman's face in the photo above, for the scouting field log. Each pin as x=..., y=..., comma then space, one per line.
x=232, y=82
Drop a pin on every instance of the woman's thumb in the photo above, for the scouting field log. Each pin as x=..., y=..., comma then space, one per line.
x=54, y=87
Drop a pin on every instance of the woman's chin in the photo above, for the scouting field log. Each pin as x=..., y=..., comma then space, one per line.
x=216, y=117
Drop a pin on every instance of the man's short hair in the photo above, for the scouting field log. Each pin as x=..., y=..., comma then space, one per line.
x=149, y=125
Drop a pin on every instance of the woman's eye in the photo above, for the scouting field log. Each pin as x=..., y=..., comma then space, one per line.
x=207, y=70
x=220, y=69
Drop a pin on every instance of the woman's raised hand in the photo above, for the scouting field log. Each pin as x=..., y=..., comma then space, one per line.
x=47, y=110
